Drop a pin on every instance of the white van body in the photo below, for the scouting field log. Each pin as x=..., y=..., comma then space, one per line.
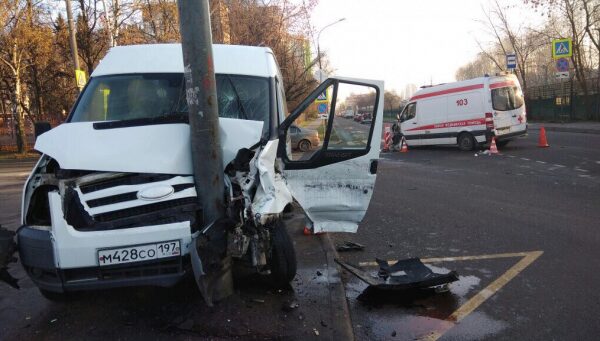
x=108, y=186
x=466, y=113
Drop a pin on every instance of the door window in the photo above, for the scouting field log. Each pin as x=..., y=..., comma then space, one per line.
x=410, y=111
x=319, y=125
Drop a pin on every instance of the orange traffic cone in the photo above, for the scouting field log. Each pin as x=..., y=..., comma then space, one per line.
x=493, y=148
x=543, y=142
x=403, y=146
x=307, y=231
x=387, y=140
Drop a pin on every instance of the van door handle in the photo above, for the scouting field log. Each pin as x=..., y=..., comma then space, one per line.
x=514, y=115
x=414, y=122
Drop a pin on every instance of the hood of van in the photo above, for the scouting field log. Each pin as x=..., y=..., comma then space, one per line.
x=159, y=149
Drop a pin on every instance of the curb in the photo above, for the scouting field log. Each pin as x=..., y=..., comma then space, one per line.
x=568, y=130
x=339, y=308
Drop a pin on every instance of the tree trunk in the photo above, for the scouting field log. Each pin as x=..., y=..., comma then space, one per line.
x=18, y=116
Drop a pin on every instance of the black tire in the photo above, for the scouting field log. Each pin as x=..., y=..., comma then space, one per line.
x=466, y=142
x=502, y=143
x=283, y=256
x=304, y=145
x=54, y=296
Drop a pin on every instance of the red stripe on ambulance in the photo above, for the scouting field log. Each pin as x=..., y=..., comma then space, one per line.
x=502, y=85
x=464, y=123
x=448, y=91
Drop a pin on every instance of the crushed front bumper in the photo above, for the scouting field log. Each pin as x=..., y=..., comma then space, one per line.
x=39, y=260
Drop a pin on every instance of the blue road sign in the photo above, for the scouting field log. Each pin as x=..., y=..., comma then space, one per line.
x=511, y=61
x=322, y=108
x=562, y=48
x=562, y=65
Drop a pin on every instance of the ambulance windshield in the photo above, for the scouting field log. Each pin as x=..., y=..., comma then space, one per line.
x=507, y=98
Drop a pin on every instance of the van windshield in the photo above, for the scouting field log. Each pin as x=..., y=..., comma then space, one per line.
x=153, y=96
x=507, y=98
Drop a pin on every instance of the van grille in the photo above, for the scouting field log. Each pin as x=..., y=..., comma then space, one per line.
x=112, y=202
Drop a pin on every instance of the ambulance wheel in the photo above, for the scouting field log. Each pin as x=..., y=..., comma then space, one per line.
x=502, y=143
x=283, y=256
x=304, y=145
x=466, y=142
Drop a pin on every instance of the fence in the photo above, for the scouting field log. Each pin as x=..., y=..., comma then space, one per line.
x=563, y=102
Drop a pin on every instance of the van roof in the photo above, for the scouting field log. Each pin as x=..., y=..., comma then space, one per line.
x=168, y=58
x=443, y=88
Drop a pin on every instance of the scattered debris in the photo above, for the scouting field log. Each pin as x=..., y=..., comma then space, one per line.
x=53, y=320
x=316, y=331
x=483, y=152
x=289, y=306
x=319, y=273
x=258, y=300
x=7, y=249
x=350, y=246
x=394, y=333
x=403, y=275
x=323, y=324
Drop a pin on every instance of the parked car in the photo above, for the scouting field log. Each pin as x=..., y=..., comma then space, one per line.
x=304, y=139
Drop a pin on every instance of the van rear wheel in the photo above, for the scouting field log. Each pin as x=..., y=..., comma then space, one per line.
x=466, y=142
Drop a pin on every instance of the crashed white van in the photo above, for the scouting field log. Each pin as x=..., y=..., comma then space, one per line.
x=112, y=202
x=466, y=113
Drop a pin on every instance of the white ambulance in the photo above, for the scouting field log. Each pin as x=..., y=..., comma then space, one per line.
x=466, y=113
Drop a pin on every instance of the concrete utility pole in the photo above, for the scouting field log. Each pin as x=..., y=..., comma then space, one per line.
x=108, y=24
x=73, y=40
x=201, y=95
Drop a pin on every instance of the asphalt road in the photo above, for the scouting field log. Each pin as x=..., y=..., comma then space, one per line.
x=430, y=202
x=440, y=202
x=309, y=308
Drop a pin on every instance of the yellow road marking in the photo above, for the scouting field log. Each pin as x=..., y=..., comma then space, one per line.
x=475, y=301
x=454, y=259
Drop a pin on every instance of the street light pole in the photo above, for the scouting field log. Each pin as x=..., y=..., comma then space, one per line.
x=319, y=43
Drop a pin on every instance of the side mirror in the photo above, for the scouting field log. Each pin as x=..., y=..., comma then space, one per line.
x=41, y=127
x=398, y=116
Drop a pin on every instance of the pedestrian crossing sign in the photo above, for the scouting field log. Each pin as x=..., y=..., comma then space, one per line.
x=562, y=48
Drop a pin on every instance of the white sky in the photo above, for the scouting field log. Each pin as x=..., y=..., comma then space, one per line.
x=402, y=41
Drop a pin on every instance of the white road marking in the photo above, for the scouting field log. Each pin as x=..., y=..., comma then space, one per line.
x=525, y=159
x=542, y=162
x=582, y=170
x=557, y=165
x=510, y=155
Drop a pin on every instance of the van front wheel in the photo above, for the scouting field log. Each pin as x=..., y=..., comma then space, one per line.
x=466, y=142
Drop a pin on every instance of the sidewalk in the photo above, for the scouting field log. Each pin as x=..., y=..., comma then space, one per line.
x=574, y=127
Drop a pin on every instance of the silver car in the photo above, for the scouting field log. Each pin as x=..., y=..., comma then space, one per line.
x=304, y=138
